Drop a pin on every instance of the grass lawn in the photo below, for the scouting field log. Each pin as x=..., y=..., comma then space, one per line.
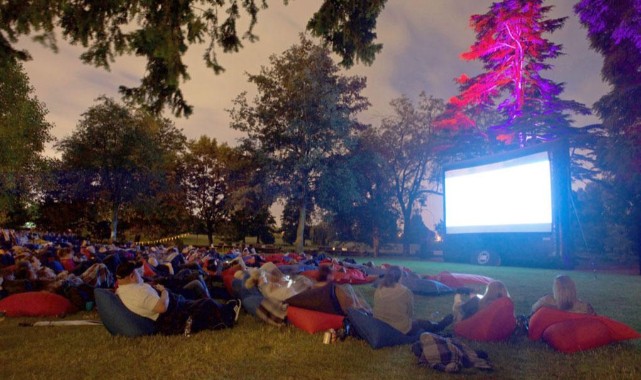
x=254, y=350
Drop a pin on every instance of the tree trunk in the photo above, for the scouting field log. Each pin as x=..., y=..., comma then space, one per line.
x=210, y=233
x=406, y=229
x=114, y=224
x=376, y=241
x=299, y=244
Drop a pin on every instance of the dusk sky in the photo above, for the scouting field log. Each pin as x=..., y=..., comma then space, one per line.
x=422, y=41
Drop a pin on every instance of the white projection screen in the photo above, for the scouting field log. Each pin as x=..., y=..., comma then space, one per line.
x=514, y=195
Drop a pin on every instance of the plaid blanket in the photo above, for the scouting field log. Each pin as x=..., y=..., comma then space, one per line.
x=272, y=311
x=448, y=354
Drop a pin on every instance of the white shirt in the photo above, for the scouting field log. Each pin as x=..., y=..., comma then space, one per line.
x=139, y=298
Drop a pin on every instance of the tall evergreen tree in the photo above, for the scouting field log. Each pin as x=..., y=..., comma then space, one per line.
x=614, y=30
x=511, y=45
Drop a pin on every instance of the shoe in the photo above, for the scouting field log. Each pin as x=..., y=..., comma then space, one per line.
x=237, y=305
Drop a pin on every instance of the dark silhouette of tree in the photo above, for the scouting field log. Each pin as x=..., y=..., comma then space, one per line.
x=162, y=31
x=614, y=30
x=118, y=157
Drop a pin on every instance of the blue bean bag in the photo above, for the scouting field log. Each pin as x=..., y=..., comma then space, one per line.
x=377, y=333
x=118, y=319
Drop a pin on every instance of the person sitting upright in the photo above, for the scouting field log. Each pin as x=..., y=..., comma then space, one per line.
x=394, y=305
x=564, y=297
x=465, y=309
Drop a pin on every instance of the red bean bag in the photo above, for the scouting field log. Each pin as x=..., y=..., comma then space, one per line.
x=228, y=278
x=571, y=332
x=577, y=335
x=36, y=304
x=147, y=269
x=311, y=274
x=313, y=321
x=353, y=276
x=493, y=323
x=458, y=280
x=276, y=258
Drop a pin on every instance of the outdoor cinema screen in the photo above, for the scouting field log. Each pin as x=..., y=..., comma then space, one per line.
x=513, y=195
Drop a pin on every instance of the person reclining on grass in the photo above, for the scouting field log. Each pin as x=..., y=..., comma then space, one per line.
x=394, y=305
x=345, y=295
x=464, y=309
x=172, y=313
x=564, y=298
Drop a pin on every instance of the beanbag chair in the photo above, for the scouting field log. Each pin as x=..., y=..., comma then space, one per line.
x=36, y=304
x=313, y=321
x=576, y=331
x=577, y=335
x=493, y=323
x=119, y=320
x=377, y=333
x=353, y=276
x=228, y=278
x=458, y=280
x=425, y=287
x=321, y=299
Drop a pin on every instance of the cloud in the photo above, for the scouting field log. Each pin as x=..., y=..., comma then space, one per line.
x=422, y=44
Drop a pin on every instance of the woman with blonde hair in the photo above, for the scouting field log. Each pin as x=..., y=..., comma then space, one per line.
x=493, y=291
x=563, y=297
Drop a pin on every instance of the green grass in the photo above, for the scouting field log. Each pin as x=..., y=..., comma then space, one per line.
x=253, y=350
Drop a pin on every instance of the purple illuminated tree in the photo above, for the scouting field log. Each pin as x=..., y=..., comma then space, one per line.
x=514, y=52
x=614, y=30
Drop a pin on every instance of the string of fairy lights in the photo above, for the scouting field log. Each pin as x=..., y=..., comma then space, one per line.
x=165, y=239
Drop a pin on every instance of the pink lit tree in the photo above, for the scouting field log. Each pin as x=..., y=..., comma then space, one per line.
x=511, y=45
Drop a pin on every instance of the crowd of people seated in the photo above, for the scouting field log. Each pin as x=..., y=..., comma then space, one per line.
x=169, y=284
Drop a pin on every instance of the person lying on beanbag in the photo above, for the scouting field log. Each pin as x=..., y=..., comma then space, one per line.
x=465, y=309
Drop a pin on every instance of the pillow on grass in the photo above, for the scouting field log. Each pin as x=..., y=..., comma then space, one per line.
x=313, y=321
x=377, y=333
x=36, y=304
x=119, y=320
x=577, y=335
x=575, y=332
x=457, y=280
x=493, y=323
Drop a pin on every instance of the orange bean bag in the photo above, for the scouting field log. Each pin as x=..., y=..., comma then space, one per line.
x=313, y=321
x=571, y=332
x=493, y=323
x=36, y=304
